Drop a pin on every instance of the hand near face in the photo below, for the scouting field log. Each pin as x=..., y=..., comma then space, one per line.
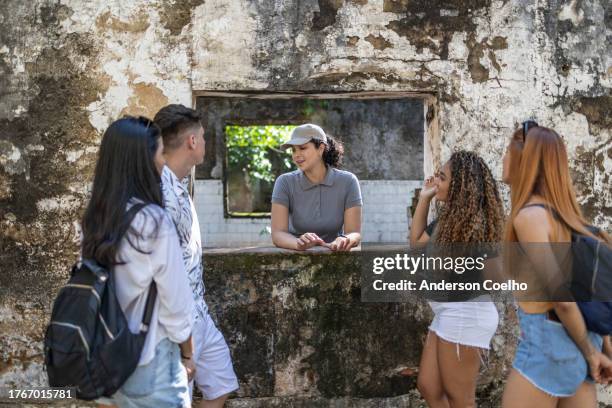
x=429, y=189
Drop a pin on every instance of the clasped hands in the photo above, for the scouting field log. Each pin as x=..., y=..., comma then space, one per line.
x=310, y=239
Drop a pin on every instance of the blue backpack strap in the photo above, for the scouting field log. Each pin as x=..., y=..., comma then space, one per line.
x=593, y=229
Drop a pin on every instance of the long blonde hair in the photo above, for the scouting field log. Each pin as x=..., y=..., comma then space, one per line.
x=539, y=166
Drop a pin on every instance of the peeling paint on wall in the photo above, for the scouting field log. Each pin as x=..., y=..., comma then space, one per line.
x=67, y=69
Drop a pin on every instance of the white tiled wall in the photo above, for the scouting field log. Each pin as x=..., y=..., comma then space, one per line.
x=385, y=214
x=218, y=231
x=386, y=206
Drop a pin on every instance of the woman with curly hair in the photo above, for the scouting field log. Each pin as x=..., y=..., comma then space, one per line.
x=472, y=214
x=557, y=358
x=318, y=204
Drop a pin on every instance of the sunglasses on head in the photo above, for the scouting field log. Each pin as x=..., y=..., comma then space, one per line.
x=143, y=120
x=528, y=124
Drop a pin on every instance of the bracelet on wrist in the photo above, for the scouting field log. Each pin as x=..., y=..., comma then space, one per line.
x=185, y=357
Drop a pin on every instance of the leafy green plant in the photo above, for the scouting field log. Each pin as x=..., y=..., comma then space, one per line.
x=250, y=149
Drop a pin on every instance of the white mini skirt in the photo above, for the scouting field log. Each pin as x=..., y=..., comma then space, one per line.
x=467, y=323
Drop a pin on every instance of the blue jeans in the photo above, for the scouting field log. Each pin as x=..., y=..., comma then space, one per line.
x=549, y=358
x=160, y=383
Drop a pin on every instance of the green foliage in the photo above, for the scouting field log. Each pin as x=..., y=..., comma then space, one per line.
x=310, y=106
x=250, y=149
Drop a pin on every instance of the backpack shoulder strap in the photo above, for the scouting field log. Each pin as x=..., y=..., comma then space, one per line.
x=148, y=312
x=98, y=270
x=594, y=230
x=149, y=305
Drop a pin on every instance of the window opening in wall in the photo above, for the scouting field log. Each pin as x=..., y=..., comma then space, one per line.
x=383, y=134
x=254, y=161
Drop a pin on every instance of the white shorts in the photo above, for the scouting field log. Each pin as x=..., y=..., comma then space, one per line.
x=466, y=323
x=214, y=375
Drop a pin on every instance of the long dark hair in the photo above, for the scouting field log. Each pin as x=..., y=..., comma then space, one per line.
x=125, y=171
x=333, y=153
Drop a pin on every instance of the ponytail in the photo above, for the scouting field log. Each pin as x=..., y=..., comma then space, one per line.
x=333, y=153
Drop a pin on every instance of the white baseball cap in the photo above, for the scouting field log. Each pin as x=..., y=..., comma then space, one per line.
x=304, y=134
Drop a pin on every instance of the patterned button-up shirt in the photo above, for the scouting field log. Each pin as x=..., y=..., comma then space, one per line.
x=179, y=205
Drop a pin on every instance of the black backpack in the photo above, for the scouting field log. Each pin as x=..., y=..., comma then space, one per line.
x=88, y=344
x=591, y=283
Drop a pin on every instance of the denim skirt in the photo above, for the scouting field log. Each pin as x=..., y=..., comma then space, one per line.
x=160, y=383
x=548, y=358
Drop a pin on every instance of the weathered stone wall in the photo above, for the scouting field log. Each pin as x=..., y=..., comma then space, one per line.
x=68, y=68
x=490, y=63
x=382, y=138
x=297, y=327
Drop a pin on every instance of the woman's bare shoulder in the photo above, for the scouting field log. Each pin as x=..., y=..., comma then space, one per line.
x=532, y=223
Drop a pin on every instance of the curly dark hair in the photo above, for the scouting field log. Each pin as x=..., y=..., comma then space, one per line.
x=473, y=211
x=334, y=151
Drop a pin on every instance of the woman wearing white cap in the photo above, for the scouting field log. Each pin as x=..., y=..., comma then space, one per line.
x=318, y=204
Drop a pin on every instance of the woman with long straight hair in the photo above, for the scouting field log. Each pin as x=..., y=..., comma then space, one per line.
x=557, y=358
x=461, y=331
x=126, y=230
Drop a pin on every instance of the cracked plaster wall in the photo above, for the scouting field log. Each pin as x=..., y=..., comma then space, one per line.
x=68, y=68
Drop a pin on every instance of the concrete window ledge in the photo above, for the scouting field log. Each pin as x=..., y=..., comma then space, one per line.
x=318, y=250
x=264, y=249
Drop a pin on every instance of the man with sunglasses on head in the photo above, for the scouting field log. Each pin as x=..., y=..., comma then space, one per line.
x=184, y=147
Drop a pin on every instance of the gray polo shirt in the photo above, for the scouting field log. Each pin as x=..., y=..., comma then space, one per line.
x=317, y=208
